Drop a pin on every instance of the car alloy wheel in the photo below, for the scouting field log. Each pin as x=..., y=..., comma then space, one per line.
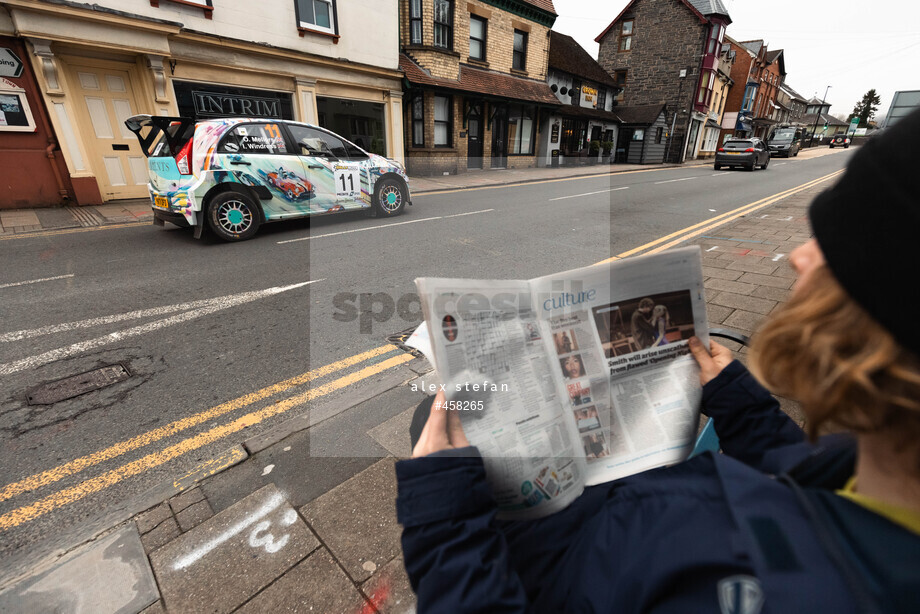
x=390, y=197
x=233, y=217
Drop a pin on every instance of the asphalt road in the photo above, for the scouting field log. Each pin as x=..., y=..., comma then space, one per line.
x=200, y=324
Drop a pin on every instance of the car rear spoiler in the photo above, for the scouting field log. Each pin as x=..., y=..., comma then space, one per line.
x=176, y=130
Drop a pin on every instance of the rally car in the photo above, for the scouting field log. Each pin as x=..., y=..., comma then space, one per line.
x=235, y=174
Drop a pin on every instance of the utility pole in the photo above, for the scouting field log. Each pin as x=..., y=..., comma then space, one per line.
x=817, y=117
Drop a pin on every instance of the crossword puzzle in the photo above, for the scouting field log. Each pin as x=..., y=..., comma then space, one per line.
x=487, y=348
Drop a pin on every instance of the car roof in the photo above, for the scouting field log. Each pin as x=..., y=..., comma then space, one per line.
x=229, y=122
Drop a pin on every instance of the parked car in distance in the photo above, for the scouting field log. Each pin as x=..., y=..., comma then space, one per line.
x=840, y=140
x=746, y=153
x=235, y=174
x=786, y=141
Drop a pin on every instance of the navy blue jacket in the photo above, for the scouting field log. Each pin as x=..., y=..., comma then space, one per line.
x=717, y=533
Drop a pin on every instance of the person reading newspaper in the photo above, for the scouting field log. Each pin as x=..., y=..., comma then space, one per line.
x=782, y=521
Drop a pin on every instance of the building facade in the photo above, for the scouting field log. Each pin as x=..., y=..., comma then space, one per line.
x=752, y=108
x=792, y=106
x=711, y=133
x=819, y=123
x=308, y=60
x=668, y=52
x=476, y=92
x=587, y=95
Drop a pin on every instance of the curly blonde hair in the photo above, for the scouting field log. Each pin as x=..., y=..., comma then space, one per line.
x=822, y=349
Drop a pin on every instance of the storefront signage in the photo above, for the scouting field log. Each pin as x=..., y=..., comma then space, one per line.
x=10, y=64
x=590, y=94
x=206, y=101
x=554, y=136
x=221, y=105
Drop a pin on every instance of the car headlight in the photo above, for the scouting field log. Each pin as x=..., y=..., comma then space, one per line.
x=397, y=164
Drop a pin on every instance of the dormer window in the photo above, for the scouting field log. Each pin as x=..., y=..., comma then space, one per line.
x=626, y=34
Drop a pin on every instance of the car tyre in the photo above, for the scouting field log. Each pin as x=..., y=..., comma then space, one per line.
x=233, y=216
x=717, y=167
x=390, y=196
x=763, y=166
x=750, y=167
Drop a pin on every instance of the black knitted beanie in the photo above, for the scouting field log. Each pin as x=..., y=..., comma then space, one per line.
x=868, y=226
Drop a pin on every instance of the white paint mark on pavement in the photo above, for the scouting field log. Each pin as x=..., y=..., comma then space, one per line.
x=777, y=257
x=196, y=555
x=589, y=193
x=346, y=232
x=713, y=248
x=673, y=180
x=289, y=518
x=78, y=348
x=713, y=210
x=34, y=281
x=267, y=541
x=267, y=470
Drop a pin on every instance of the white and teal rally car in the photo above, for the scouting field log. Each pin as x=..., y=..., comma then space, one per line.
x=236, y=174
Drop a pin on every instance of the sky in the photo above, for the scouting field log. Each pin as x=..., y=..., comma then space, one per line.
x=850, y=45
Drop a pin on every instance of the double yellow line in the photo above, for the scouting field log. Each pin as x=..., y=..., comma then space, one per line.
x=58, y=499
x=689, y=232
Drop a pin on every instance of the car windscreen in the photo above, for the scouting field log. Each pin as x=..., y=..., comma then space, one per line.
x=783, y=135
x=738, y=144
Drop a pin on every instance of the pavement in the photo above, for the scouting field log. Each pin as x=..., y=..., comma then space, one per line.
x=301, y=518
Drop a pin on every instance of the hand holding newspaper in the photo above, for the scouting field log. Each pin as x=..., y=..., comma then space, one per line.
x=572, y=379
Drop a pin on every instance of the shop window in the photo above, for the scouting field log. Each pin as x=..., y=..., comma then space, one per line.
x=601, y=99
x=477, y=38
x=520, y=130
x=575, y=91
x=444, y=24
x=415, y=22
x=360, y=122
x=519, y=57
x=319, y=143
x=317, y=15
x=442, y=121
x=254, y=139
x=204, y=4
x=626, y=35
x=639, y=134
x=418, y=121
x=15, y=114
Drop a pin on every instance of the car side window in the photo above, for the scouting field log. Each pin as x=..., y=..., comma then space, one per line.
x=318, y=143
x=254, y=139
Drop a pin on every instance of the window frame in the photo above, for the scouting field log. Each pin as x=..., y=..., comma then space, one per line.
x=624, y=44
x=483, y=41
x=441, y=27
x=306, y=26
x=602, y=98
x=449, y=122
x=659, y=134
x=20, y=94
x=206, y=5
x=622, y=85
x=514, y=148
x=576, y=88
x=416, y=19
x=522, y=53
x=418, y=121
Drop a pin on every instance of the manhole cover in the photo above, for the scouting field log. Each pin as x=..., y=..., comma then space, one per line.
x=76, y=385
x=399, y=340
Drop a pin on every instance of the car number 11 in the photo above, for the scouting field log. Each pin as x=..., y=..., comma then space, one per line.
x=347, y=182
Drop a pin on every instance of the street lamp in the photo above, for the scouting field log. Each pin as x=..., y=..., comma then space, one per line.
x=818, y=116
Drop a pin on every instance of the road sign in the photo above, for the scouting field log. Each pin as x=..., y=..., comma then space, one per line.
x=10, y=64
x=854, y=123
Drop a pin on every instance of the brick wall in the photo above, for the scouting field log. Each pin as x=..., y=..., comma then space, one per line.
x=667, y=37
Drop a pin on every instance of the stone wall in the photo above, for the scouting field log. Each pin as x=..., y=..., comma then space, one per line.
x=667, y=37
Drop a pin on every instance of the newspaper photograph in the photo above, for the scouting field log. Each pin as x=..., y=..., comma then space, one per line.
x=572, y=379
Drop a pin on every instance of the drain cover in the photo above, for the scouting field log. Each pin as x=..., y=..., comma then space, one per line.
x=75, y=385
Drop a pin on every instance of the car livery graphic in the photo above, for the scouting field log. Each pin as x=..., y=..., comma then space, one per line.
x=234, y=174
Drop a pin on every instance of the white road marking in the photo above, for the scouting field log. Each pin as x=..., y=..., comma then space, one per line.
x=34, y=281
x=346, y=232
x=78, y=348
x=196, y=555
x=720, y=174
x=673, y=180
x=589, y=193
x=779, y=164
x=713, y=248
x=121, y=317
x=777, y=257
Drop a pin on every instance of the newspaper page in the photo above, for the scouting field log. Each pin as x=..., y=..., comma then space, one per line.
x=489, y=351
x=619, y=334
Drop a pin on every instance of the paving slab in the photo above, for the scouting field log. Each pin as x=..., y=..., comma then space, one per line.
x=389, y=589
x=394, y=434
x=226, y=560
x=56, y=217
x=357, y=520
x=317, y=584
x=109, y=575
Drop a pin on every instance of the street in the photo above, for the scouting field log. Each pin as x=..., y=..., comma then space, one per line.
x=223, y=341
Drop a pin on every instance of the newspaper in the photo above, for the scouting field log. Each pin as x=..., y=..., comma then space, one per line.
x=572, y=379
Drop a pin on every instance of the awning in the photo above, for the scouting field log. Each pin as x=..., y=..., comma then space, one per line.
x=711, y=123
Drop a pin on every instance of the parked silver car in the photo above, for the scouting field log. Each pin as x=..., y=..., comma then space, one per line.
x=746, y=153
